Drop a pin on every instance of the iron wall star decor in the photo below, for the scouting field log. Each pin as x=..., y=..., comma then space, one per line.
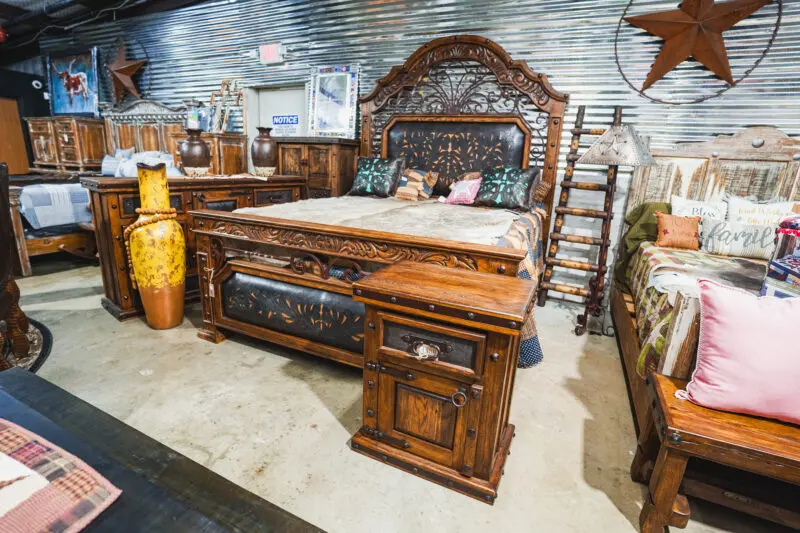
x=122, y=71
x=695, y=30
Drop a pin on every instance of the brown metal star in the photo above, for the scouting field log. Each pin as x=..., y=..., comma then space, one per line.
x=122, y=71
x=695, y=30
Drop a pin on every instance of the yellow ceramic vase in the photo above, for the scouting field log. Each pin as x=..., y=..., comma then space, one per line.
x=157, y=251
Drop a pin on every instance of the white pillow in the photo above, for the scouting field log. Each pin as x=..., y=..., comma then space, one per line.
x=722, y=237
x=763, y=213
x=695, y=208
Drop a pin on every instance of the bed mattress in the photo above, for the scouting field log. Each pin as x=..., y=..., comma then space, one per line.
x=434, y=219
x=656, y=276
x=429, y=218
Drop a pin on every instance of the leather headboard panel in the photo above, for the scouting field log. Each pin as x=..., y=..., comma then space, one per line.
x=453, y=148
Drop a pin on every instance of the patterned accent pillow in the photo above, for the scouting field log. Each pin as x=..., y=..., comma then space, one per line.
x=694, y=208
x=415, y=184
x=462, y=192
x=763, y=213
x=506, y=187
x=736, y=239
x=678, y=232
x=377, y=177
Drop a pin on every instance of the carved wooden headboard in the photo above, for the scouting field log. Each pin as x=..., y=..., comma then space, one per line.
x=144, y=125
x=761, y=162
x=461, y=104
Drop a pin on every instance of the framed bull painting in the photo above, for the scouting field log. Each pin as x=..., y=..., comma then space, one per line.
x=74, y=83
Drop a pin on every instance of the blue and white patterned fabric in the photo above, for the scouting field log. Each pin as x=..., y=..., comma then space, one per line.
x=526, y=234
x=49, y=205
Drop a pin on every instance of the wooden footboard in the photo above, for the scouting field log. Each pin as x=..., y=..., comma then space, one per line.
x=288, y=282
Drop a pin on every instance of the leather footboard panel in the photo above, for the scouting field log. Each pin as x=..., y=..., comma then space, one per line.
x=313, y=314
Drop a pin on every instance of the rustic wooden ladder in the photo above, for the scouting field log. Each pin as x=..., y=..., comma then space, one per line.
x=594, y=292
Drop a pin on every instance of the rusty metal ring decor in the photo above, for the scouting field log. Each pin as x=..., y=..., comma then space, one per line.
x=718, y=93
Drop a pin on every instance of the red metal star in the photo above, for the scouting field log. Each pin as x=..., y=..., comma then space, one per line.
x=695, y=30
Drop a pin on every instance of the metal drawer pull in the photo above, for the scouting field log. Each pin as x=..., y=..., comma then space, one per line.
x=459, y=399
x=425, y=350
x=422, y=351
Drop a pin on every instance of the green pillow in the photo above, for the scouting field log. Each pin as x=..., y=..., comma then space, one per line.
x=377, y=177
x=507, y=187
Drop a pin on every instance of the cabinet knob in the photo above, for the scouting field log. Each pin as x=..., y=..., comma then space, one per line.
x=495, y=356
x=409, y=376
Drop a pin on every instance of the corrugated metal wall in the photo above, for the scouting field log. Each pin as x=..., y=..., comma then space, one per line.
x=192, y=49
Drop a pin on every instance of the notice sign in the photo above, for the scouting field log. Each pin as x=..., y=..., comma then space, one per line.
x=286, y=125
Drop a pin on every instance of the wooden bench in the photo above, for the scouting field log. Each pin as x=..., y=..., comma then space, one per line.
x=681, y=430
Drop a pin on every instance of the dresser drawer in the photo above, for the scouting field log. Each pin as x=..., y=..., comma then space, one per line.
x=319, y=193
x=131, y=202
x=273, y=197
x=67, y=154
x=64, y=127
x=437, y=348
x=37, y=127
x=66, y=139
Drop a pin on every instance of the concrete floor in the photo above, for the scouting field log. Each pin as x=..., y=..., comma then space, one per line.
x=277, y=422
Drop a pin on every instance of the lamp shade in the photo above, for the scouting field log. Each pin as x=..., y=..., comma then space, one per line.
x=619, y=145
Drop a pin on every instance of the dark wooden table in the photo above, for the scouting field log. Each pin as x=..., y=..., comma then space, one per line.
x=161, y=489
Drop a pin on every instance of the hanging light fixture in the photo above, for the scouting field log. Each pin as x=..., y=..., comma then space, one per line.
x=618, y=146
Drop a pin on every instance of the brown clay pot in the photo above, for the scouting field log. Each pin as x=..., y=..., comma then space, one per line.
x=195, y=154
x=265, y=153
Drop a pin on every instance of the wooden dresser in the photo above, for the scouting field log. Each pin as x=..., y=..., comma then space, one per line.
x=441, y=354
x=329, y=165
x=228, y=151
x=67, y=143
x=114, y=202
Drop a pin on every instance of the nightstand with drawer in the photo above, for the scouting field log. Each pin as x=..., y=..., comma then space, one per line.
x=441, y=350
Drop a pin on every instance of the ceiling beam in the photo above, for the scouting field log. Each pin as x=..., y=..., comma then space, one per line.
x=7, y=11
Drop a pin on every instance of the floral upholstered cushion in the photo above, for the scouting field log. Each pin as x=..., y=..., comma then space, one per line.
x=507, y=187
x=377, y=177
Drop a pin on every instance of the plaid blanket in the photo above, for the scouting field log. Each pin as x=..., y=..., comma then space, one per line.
x=656, y=275
x=526, y=234
x=49, y=205
x=44, y=488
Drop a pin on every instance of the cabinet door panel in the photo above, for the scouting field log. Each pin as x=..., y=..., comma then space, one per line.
x=429, y=416
x=319, y=163
x=231, y=156
x=425, y=415
x=290, y=159
x=92, y=137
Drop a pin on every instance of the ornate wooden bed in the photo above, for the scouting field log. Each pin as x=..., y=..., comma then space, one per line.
x=457, y=104
x=759, y=161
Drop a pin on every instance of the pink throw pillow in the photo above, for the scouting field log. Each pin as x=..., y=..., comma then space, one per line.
x=463, y=192
x=748, y=357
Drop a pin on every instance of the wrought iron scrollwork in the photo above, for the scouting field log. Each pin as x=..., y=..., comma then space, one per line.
x=465, y=87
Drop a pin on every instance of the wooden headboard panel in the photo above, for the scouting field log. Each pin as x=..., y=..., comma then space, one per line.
x=144, y=125
x=761, y=162
x=470, y=81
